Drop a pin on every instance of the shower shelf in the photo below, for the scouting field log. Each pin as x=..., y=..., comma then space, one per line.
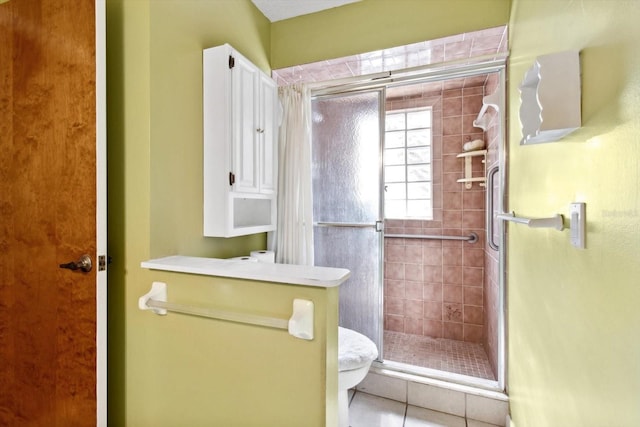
x=493, y=100
x=468, y=179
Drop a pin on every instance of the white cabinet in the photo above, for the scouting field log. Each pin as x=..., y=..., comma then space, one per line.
x=240, y=109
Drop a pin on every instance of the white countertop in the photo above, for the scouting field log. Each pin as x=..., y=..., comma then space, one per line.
x=325, y=277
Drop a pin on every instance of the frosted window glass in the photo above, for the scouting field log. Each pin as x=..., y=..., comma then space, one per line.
x=408, y=192
x=394, y=173
x=395, y=121
x=418, y=155
x=394, y=139
x=419, y=119
x=418, y=137
x=418, y=173
x=395, y=156
x=395, y=191
x=418, y=190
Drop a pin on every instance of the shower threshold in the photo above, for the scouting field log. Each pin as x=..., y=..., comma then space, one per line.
x=438, y=358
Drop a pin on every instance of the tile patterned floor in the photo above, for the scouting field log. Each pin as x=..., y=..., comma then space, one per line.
x=438, y=353
x=366, y=410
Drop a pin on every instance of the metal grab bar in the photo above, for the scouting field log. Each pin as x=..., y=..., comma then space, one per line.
x=556, y=221
x=300, y=325
x=489, y=215
x=471, y=238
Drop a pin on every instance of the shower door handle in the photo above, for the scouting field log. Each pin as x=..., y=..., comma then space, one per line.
x=489, y=215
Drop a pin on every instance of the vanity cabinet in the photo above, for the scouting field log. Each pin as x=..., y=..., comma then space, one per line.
x=240, y=112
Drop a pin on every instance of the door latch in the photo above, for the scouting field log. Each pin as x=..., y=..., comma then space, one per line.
x=83, y=263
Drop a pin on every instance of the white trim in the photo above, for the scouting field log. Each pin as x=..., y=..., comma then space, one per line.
x=101, y=214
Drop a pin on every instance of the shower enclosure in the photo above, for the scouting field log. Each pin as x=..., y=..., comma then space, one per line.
x=388, y=136
x=431, y=303
x=347, y=208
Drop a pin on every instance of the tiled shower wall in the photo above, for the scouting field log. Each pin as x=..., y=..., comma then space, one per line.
x=432, y=287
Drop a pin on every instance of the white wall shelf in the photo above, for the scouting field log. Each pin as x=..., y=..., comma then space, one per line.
x=550, y=98
x=493, y=100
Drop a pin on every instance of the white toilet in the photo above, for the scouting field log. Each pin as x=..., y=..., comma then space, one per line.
x=355, y=354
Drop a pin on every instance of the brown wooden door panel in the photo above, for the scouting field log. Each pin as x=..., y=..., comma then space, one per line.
x=48, y=214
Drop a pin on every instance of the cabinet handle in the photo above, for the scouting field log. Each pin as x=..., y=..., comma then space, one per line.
x=260, y=130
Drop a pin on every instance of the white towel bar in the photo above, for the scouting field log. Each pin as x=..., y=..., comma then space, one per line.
x=556, y=222
x=300, y=325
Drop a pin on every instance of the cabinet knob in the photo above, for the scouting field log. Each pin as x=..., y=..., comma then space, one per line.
x=260, y=130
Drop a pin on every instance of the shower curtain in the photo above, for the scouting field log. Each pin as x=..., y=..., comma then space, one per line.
x=293, y=239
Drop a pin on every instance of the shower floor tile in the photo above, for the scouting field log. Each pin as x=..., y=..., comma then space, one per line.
x=453, y=356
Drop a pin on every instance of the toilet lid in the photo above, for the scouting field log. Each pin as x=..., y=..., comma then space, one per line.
x=354, y=350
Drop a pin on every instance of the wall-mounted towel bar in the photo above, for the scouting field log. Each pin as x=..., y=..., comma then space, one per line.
x=300, y=325
x=471, y=238
x=556, y=221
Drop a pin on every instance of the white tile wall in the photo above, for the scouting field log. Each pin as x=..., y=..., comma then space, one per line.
x=436, y=398
x=380, y=385
x=488, y=410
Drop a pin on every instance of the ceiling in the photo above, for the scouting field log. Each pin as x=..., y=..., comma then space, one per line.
x=277, y=10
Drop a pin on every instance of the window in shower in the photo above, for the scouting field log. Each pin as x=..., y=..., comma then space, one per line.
x=408, y=189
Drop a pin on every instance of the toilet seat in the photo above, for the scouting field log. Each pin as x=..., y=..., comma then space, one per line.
x=354, y=350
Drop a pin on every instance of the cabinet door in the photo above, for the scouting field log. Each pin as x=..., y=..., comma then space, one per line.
x=244, y=99
x=268, y=135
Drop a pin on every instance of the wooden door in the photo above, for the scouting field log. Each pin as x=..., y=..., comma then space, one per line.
x=48, y=212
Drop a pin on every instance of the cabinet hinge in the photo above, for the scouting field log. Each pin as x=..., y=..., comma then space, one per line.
x=232, y=61
x=232, y=178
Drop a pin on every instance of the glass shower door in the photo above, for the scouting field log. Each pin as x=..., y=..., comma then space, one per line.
x=347, y=208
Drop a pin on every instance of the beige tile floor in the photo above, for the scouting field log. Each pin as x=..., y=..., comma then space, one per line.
x=366, y=410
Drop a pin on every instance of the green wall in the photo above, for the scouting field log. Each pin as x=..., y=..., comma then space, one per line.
x=371, y=25
x=182, y=370
x=128, y=176
x=574, y=350
x=179, y=30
